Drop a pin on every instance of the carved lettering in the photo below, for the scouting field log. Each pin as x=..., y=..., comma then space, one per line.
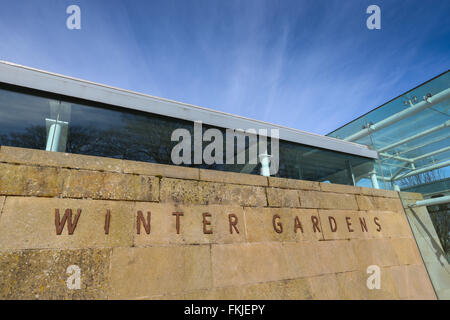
x=297, y=225
x=233, y=219
x=107, y=221
x=206, y=223
x=349, y=224
x=315, y=222
x=363, y=223
x=177, y=220
x=333, y=224
x=376, y=220
x=71, y=225
x=277, y=226
x=140, y=218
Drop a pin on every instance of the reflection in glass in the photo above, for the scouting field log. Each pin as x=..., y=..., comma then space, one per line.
x=53, y=124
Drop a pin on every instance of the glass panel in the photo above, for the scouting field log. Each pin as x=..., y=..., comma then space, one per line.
x=425, y=157
x=108, y=131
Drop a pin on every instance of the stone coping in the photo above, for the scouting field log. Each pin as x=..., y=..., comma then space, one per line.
x=41, y=158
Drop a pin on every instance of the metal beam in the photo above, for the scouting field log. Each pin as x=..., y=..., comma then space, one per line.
x=446, y=124
x=414, y=109
x=431, y=202
x=422, y=170
x=431, y=154
x=424, y=144
x=389, y=156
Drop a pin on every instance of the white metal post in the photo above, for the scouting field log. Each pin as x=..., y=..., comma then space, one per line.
x=265, y=162
x=373, y=177
x=54, y=135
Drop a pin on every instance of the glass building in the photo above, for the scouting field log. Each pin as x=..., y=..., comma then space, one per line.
x=42, y=110
x=411, y=134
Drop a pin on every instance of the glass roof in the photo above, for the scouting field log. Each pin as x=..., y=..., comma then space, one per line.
x=414, y=150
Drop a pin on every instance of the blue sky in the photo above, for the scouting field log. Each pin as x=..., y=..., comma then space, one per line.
x=311, y=65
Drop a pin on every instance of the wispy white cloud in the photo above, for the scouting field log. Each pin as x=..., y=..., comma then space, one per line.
x=311, y=65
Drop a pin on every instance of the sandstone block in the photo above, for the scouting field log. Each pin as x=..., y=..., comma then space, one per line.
x=42, y=274
x=283, y=198
x=293, y=184
x=247, y=263
x=412, y=282
x=108, y=185
x=25, y=180
x=199, y=192
x=146, y=272
x=30, y=223
x=160, y=170
x=58, y=159
x=339, y=188
x=232, y=177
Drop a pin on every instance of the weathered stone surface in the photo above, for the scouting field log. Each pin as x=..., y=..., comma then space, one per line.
x=232, y=177
x=108, y=185
x=379, y=193
x=327, y=200
x=379, y=203
x=58, y=159
x=338, y=201
x=283, y=198
x=395, y=225
x=374, y=252
x=412, y=282
x=323, y=257
x=146, y=272
x=30, y=223
x=430, y=246
x=410, y=196
x=42, y=274
x=325, y=287
x=406, y=251
x=294, y=289
x=29, y=180
x=293, y=184
x=204, y=257
x=336, y=256
x=199, y=192
x=339, y=188
x=160, y=170
x=247, y=263
x=280, y=224
x=2, y=202
x=191, y=228
x=384, y=193
x=302, y=259
x=353, y=286
x=309, y=199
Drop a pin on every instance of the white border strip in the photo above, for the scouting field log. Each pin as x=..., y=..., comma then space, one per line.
x=46, y=81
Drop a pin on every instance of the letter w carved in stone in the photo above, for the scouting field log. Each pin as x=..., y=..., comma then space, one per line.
x=71, y=225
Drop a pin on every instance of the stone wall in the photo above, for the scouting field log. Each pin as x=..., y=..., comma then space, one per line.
x=429, y=244
x=147, y=231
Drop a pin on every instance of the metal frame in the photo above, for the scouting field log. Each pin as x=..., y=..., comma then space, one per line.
x=412, y=110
